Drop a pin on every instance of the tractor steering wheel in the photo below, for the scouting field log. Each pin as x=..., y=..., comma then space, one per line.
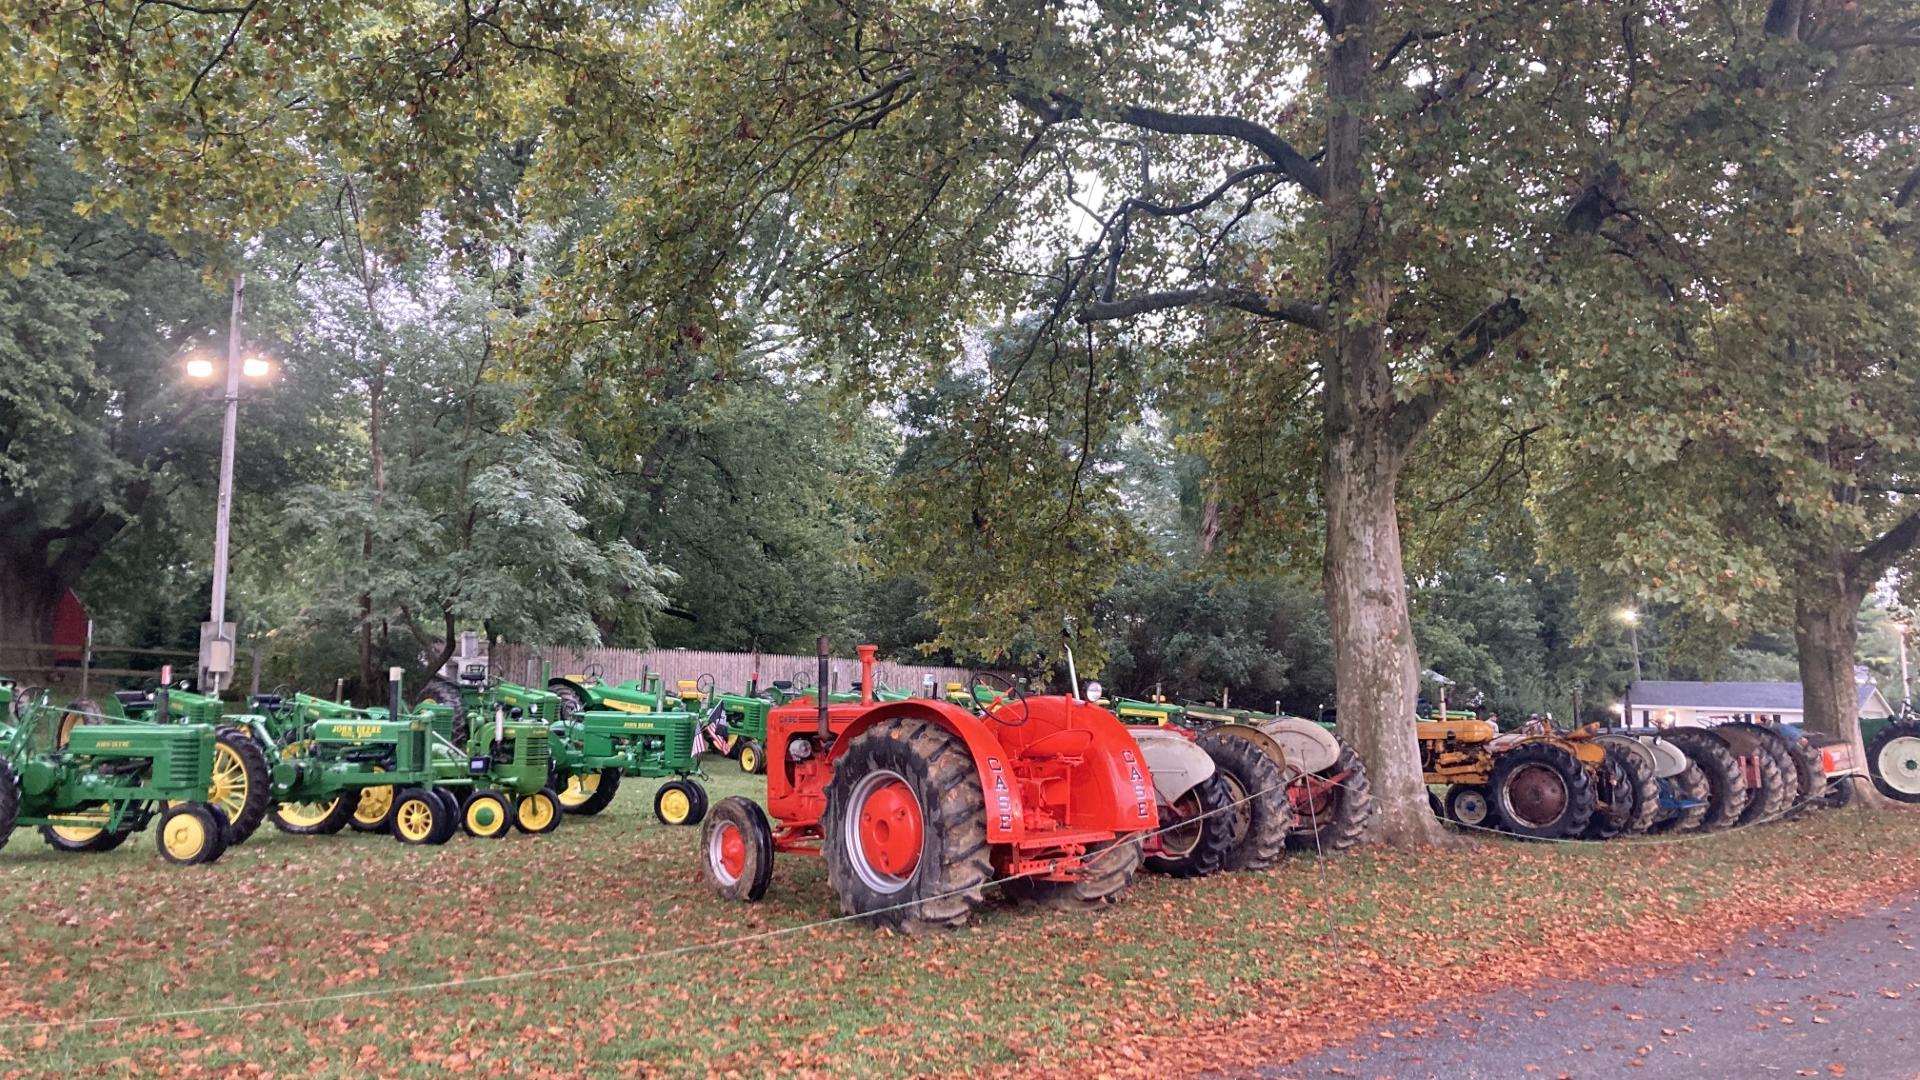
x=1005, y=696
x=705, y=684
x=596, y=674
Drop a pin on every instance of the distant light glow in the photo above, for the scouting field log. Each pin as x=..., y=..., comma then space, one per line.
x=1628, y=615
x=200, y=367
x=255, y=367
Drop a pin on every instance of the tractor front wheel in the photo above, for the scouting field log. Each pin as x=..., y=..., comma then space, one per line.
x=1467, y=805
x=905, y=832
x=191, y=834
x=587, y=793
x=539, y=813
x=420, y=818
x=1893, y=760
x=738, y=843
x=1541, y=790
x=753, y=758
x=487, y=815
x=1196, y=831
x=679, y=802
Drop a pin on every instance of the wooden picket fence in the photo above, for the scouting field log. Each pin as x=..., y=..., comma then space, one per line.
x=731, y=671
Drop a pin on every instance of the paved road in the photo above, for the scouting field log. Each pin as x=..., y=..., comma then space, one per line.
x=1842, y=1000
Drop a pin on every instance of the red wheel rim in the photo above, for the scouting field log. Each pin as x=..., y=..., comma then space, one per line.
x=732, y=851
x=891, y=830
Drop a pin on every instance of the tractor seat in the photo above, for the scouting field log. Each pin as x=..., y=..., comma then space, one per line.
x=133, y=697
x=1068, y=747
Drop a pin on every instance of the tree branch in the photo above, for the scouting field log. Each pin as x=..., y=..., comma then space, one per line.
x=1895, y=542
x=1297, y=312
x=1473, y=344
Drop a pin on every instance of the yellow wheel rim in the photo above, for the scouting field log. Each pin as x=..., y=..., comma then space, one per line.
x=229, y=790
x=748, y=759
x=536, y=813
x=675, y=807
x=485, y=817
x=80, y=834
x=185, y=836
x=579, y=789
x=306, y=815
x=415, y=820
x=374, y=805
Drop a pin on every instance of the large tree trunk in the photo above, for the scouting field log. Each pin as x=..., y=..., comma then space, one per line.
x=1375, y=666
x=28, y=596
x=1825, y=636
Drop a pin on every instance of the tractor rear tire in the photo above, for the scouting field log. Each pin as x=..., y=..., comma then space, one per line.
x=445, y=693
x=1810, y=775
x=1690, y=785
x=78, y=711
x=1893, y=760
x=1776, y=794
x=1726, y=783
x=1257, y=826
x=82, y=839
x=571, y=703
x=913, y=777
x=314, y=819
x=1469, y=805
x=1646, y=790
x=591, y=793
x=247, y=767
x=738, y=844
x=1343, y=821
x=1557, y=817
x=1203, y=845
x=9, y=800
x=1614, y=796
x=192, y=834
x=1110, y=868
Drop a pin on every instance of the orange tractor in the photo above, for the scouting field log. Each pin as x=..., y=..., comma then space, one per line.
x=918, y=805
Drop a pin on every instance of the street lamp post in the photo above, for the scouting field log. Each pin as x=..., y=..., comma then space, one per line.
x=1901, y=630
x=1632, y=619
x=217, y=650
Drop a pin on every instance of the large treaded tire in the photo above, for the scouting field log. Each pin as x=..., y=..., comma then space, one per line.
x=335, y=819
x=9, y=800
x=1616, y=795
x=77, y=712
x=1690, y=785
x=955, y=863
x=1777, y=783
x=1646, y=793
x=258, y=798
x=1577, y=795
x=1257, y=827
x=740, y=820
x=1726, y=783
x=1346, y=820
x=1883, y=741
x=570, y=700
x=445, y=693
x=1111, y=868
x=1809, y=774
x=600, y=798
x=1210, y=801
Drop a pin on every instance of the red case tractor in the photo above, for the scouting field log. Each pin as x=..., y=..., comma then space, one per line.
x=917, y=805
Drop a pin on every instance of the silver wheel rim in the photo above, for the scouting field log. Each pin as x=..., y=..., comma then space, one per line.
x=715, y=862
x=1470, y=808
x=863, y=867
x=1899, y=764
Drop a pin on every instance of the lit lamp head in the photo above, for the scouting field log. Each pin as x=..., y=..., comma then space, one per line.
x=199, y=367
x=255, y=367
x=1629, y=616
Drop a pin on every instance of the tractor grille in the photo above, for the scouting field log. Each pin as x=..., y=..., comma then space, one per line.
x=534, y=749
x=185, y=765
x=679, y=742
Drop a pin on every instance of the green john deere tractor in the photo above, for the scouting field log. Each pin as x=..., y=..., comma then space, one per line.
x=242, y=775
x=595, y=749
x=89, y=785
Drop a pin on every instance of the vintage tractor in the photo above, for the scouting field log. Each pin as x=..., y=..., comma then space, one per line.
x=1534, y=784
x=1762, y=786
x=242, y=782
x=389, y=769
x=594, y=750
x=1670, y=791
x=1893, y=755
x=918, y=805
x=1328, y=798
x=646, y=694
x=89, y=786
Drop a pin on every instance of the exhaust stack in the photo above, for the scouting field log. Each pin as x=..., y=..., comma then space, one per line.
x=867, y=653
x=820, y=688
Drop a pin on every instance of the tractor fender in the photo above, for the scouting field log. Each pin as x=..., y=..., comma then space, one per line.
x=1176, y=763
x=1666, y=759
x=1005, y=824
x=1743, y=741
x=1257, y=735
x=1307, y=746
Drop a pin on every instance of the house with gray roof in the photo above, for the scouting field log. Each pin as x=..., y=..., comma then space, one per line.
x=1664, y=702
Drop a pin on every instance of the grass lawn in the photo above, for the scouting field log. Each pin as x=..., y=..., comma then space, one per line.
x=1309, y=949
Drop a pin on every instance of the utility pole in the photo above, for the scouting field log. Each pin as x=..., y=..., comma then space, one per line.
x=219, y=658
x=1901, y=630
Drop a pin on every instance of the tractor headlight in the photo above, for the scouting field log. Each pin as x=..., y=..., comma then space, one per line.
x=799, y=749
x=1093, y=691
